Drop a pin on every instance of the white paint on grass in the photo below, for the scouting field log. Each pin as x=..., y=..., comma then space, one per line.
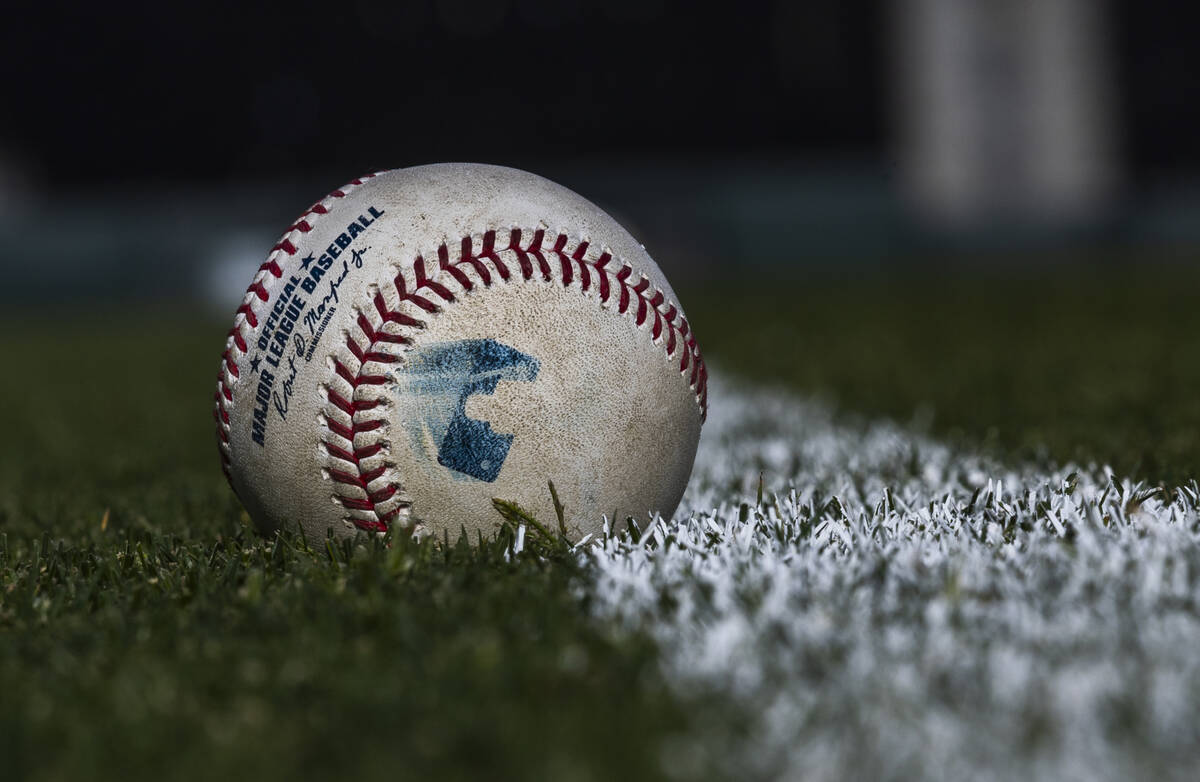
x=901, y=610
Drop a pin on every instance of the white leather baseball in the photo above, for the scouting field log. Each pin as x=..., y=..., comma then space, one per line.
x=427, y=339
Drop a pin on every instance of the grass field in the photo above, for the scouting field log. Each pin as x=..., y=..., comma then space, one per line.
x=1078, y=365
x=889, y=609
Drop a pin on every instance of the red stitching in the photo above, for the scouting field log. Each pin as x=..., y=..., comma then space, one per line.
x=352, y=455
x=423, y=292
x=251, y=318
x=344, y=432
x=235, y=341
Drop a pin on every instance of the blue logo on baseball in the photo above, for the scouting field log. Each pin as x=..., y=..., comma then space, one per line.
x=436, y=381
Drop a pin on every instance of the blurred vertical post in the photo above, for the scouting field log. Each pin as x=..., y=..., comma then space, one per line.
x=1004, y=110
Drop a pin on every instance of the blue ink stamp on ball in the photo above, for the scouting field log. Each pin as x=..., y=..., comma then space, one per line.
x=438, y=379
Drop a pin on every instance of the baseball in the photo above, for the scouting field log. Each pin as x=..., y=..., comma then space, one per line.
x=427, y=339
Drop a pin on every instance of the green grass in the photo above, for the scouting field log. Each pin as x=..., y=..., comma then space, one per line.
x=1086, y=364
x=173, y=642
x=178, y=656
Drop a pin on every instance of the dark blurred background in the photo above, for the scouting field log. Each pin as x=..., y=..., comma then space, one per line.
x=157, y=149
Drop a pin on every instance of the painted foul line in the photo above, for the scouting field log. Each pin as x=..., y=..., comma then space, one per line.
x=897, y=609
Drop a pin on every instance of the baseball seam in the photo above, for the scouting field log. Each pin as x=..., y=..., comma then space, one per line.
x=256, y=297
x=365, y=482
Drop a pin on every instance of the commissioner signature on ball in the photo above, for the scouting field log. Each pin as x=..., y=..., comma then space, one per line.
x=316, y=319
x=281, y=401
x=315, y=315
